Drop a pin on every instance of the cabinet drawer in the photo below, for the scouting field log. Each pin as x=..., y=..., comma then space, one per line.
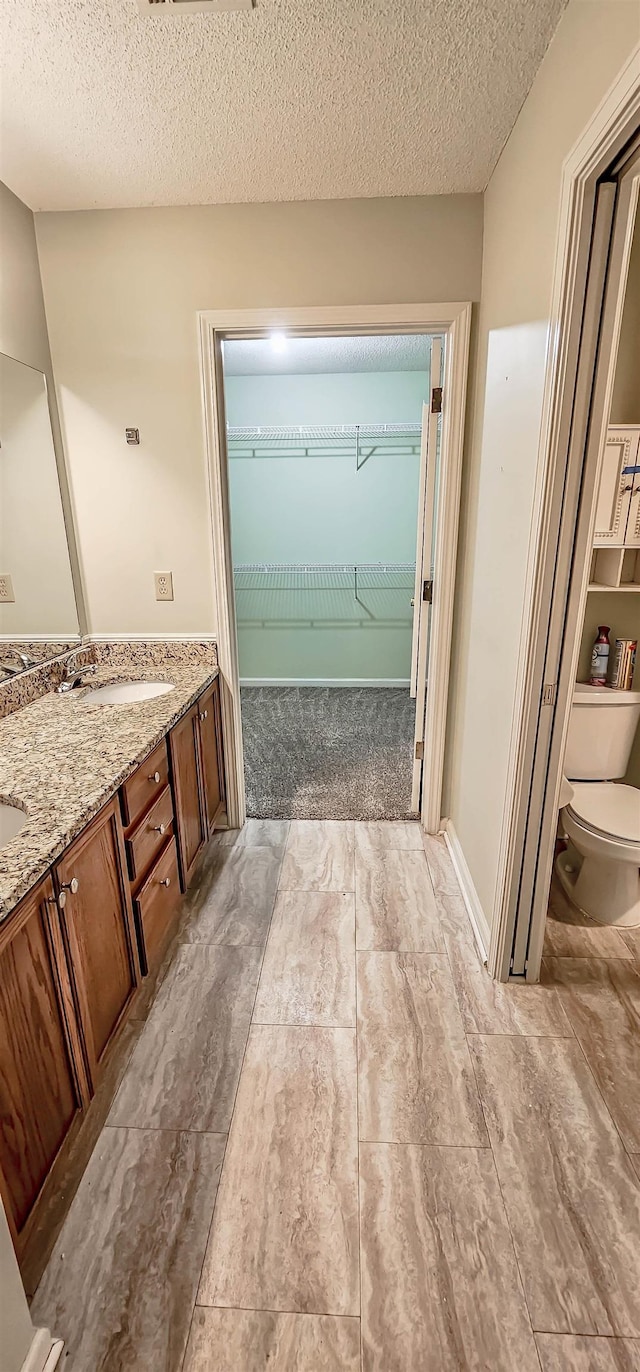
x=149, y=835
x=139, y=792
x=155, y=906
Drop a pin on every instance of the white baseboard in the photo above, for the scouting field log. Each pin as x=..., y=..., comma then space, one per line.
x=44, y=1353
x=477, y=918
x=323, y=681
x=150, y=638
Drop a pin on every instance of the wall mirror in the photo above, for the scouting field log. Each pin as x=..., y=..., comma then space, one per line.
x=38, y=612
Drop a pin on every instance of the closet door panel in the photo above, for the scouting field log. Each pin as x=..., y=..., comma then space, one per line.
x=614, y=492
x=632, y=535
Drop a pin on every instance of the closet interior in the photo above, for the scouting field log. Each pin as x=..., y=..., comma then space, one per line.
x=323, y=445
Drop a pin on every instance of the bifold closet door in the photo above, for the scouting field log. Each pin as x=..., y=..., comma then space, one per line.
x=563, y=593
x=424, y=564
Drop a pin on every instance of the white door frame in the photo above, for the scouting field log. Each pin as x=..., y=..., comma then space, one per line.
x=451, y=320
x=425, y=544
x=611, y=127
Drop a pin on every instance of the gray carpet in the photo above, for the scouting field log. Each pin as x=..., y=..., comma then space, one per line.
x=317, y=753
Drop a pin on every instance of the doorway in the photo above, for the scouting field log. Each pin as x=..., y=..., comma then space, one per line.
x=324, y=439
x=604, y=181
x=283, y=583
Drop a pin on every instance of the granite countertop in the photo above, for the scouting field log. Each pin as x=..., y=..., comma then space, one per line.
x=61, y=760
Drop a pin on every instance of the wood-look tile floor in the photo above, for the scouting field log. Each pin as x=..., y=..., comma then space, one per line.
x=339, y=1147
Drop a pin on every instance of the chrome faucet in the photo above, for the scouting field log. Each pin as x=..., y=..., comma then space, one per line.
x=74, y=678
x=20, y=661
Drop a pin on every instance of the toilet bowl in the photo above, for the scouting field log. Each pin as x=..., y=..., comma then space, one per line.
x=600, y=819
x=600, y=870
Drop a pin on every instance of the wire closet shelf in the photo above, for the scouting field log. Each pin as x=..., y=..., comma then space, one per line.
x=360, y=440
x=320, y=594
x=327, y=576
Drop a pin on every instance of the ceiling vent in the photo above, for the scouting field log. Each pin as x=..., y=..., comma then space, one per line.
x=192, y=6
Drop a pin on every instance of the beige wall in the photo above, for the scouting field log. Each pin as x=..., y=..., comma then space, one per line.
x=625, y=404
x=24, y=336
x=16, y=1329
x=592, y=43
x=23, y=327
x=122, y=289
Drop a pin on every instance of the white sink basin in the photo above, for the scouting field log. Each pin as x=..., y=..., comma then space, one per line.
x=12, y=820
x=125, y=692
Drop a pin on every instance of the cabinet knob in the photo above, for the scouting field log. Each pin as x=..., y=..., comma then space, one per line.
x=159, y=828
x=60, y=900
x=165, y=881
x=71, y=886
x=203, y=714
x=155, y=776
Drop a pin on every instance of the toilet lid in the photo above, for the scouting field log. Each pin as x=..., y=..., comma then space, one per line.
x=608, y=808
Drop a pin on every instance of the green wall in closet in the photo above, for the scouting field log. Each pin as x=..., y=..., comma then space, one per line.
x=297, y=509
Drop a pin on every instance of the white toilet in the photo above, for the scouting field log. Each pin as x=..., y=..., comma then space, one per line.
x=600, y=871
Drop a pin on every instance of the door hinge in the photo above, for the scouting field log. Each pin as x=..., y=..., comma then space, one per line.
x=419, y=752
x=427, y=591
x=436, y=400
x=549, y=693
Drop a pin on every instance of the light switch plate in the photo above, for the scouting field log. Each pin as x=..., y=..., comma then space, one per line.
x=164, y=585
x=6, y=589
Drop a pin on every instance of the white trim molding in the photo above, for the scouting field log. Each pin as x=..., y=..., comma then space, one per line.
x=207, y=637
x=610, y=127
x=325, y=681
x=453, y=320
x=477, y=918
x=44, y=1354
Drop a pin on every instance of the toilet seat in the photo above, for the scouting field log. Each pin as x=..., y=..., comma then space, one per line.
x=607, y=810
x=600, y=869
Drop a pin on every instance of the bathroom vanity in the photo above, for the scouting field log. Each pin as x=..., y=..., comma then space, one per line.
x=119, y=801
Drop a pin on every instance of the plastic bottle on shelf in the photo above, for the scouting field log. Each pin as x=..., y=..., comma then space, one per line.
x=600, y=657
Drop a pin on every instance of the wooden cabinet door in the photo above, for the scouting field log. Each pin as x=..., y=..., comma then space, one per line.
x=616, y=487
x=211, y=754
x=42, y=1083
x=98, y=922
x=184, y=746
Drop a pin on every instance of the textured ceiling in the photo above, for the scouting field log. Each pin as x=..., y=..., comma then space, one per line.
x=103, y=106
x=259, y=357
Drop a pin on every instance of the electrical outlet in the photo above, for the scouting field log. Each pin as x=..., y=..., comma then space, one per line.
x=6, y=589
x=164, y=585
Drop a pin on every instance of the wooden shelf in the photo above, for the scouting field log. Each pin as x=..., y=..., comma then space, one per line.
x=597, y=586
x=615, y=569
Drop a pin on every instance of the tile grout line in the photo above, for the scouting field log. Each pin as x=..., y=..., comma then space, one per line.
x=491, y=1148
x=167, y=1129
x=271, y=1310
x=626, y=1151
x=502, y=1198
x=357, y=1041
x=578, y=1039
x=233, y=1108
x=297, y=1024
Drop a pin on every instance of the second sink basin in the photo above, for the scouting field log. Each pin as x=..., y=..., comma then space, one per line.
x=125, y=692
x=11, y=821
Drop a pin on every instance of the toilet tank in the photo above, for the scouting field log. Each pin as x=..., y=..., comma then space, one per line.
x=601, y=733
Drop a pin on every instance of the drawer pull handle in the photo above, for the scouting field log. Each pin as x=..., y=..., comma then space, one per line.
x=159, y=828
x=203, y=714
x=165, y=881
x=71, y=886
x=155, y=777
